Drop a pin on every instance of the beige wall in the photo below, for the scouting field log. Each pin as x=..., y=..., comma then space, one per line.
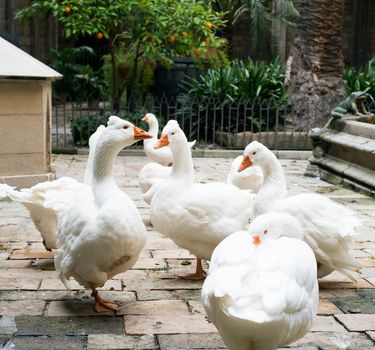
x=25, y=131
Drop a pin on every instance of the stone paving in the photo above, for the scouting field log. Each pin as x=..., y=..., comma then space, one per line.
x=160, y=310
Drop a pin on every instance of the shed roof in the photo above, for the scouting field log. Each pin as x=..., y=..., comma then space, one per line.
x=17, y=63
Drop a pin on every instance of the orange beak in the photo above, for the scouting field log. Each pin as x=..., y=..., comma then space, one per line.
x=145, y=118
x=163, y=141
x=246, y=162
x=140, y=134
x=256, y=240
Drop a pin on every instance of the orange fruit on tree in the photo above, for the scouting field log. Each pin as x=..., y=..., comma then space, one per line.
x=172, y=39
x=68, y=9
x=185, y=33
x=99, y=35
x=209, y=25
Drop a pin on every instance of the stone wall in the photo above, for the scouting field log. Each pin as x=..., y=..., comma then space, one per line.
x=25, y=117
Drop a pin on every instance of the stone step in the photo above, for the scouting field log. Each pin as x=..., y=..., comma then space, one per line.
x=356, y=128
x=345, y=173
x=350, y=148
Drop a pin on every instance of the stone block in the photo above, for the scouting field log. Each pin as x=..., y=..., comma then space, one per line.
x=191, y=341
x=48, y=343
x=15, y=264
x=72, y=326
x=358, y=322
x=360, y=303
x=22, y=307
x=74, y=308
x=327, y=307
x=24, y=284
x=120, y=342
x=149, y=263
x=186, y=294
x=283, y=140
x=41, y=253
x=323, y=340
x=326, y=324
x=20, y=99
x=155, y=307
x=167, y=324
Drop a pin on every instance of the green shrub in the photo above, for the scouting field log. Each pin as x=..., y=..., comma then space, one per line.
x=245, y=95
x=79, y=82
x=361, y=79
x=83, y=126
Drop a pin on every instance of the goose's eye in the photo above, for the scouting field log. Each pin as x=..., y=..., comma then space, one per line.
x=254, y=153
x=265, y=232
x=125, y=127
x=172, y=133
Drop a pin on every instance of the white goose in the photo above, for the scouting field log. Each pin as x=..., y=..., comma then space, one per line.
x=196, y=216
x=150, y=177
x=100, y=231
x=329, y=227
x=262, y=292
x=249, y=179
x=162, y=156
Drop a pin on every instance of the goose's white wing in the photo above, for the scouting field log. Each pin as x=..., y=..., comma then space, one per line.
x=161, y=155
x=34, y=200
x=329, y=229
x=262, y=297
x=152, y=174
x=249, y=179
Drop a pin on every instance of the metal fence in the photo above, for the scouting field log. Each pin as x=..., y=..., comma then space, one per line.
x=214, y=124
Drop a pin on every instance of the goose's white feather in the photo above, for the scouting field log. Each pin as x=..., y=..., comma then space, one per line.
x=196, y=216
x=260, y=298
x=329, y=227
x=150, y=178
x=249, y=179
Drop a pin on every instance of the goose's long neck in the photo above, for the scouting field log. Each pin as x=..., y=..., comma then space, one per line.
x=103, y=165
x=183, y=167
x=274, y=185
x=153, y=129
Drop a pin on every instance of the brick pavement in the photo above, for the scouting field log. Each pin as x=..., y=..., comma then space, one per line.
x=159, y=310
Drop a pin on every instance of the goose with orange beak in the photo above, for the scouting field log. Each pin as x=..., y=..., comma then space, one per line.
x=262, y=290
x=153, y=174
x=99, y=230
x=197, y=217
x=159, y=155
x=329, y=227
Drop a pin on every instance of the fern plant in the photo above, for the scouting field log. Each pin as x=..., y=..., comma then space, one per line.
x=361, y=79
x=245, y=95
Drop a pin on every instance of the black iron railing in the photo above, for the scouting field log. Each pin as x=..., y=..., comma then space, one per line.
x=213, y=123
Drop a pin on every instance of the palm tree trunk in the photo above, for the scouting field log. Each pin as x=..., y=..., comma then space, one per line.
x=316, y=63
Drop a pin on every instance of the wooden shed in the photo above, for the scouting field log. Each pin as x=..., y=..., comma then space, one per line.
x=25, y=117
